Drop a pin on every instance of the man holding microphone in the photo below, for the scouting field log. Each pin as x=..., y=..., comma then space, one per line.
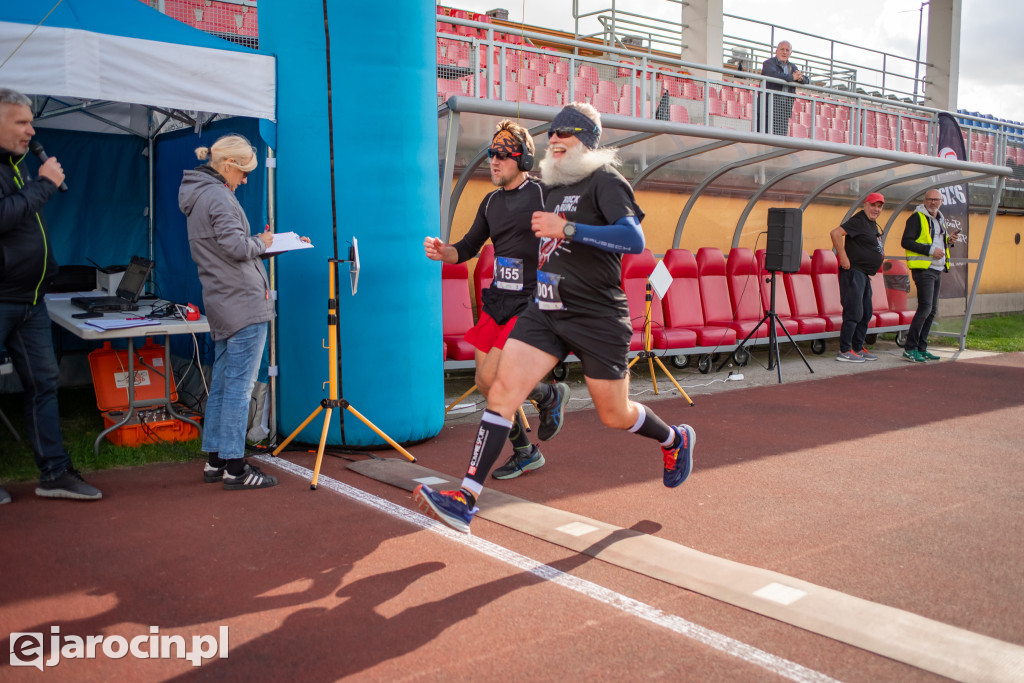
x=27, y=267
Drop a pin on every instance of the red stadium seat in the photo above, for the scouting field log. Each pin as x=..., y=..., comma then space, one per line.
x=636, y=268
x=457, y=311
x=811, y=324
x=678, y=113
x=744, y=277
x=800, y=294
x=897, y=284
x=825, y=276
x=682, y=305
x=604, y=102
x=483, y=274
x=546, y=96
x=881, y=316
x=714, y=288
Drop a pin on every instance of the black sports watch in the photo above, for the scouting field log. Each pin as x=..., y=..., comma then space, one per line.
x=569, y=230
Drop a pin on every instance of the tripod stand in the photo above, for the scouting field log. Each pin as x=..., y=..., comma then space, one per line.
x=773, y=338
x=647, y=353
x=334, y=401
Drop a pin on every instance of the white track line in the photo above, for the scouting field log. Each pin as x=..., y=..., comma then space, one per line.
x=747, y=653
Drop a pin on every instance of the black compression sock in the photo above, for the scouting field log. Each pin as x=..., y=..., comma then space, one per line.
x=215, y=460
x=653, y=427
x=490, y=439
x=520, y=441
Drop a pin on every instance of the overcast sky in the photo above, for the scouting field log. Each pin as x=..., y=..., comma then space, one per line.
x=991, y=45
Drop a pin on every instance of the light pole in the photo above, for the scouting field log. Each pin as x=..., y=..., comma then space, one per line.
x=917, y=64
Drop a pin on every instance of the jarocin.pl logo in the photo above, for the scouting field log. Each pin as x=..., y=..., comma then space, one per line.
x=27, y=648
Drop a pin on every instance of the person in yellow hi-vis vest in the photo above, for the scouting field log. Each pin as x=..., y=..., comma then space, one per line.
x=926, y=240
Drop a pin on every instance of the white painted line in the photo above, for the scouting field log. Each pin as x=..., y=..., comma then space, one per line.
x=431, y=481
x=576, y=528
x=676, y=624
x=776, y=592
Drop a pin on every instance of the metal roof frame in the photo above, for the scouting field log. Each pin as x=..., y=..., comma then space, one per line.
x=709, y=147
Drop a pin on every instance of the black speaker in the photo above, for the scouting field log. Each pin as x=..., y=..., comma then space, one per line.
x=785, y=240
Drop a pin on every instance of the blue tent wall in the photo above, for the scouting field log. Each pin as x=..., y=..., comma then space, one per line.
x=102, y=216
x=385, y=146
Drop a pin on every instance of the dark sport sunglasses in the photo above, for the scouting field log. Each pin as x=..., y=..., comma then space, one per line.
x=501, y=154
x=563, y=133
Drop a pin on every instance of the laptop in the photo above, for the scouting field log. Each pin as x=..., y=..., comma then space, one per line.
x=128, y=291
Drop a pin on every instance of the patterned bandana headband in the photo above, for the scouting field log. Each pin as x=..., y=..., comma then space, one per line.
x=588, y=132
x=504, y=141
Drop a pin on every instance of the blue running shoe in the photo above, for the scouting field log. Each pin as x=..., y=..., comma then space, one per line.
x=552, y=416
x=520, y=464
x=679, y=460
x=449, y=507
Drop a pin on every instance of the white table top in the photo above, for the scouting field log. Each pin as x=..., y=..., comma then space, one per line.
x=61, y=310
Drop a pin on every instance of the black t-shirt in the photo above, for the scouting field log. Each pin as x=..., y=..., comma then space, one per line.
x=580, y=278
x=863, y=243
x=504, y=216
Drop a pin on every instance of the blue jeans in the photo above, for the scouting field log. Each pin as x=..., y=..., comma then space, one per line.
x=25, y=333
x=855, y=295
x=927, y=282
x=236, y=362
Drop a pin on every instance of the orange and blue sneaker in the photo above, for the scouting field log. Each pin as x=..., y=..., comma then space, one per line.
x=449, y=507
x=679, y=460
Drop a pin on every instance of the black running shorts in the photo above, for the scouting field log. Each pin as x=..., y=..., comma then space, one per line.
x=602, y=344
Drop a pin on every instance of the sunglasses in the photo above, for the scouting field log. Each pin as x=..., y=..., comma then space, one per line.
x=563, y=133
x=501, y=154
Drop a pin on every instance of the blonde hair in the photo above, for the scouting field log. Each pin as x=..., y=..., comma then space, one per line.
x=229, y=147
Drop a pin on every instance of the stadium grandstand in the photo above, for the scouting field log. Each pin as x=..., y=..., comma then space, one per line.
x=682, y=101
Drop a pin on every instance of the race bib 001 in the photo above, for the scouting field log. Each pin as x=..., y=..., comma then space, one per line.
x=547, y=296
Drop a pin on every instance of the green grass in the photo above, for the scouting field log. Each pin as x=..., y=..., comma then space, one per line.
x=1002, y=333
x=81, y=423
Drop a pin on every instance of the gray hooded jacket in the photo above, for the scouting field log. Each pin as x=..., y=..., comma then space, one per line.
x=236, y=290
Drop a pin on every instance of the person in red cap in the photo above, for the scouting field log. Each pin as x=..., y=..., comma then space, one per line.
x=860, y=257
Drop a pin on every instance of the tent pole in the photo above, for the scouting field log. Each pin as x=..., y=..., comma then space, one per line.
x=152, y=199
x=272, y=222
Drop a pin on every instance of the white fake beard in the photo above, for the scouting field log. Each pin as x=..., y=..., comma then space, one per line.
x=577, y=163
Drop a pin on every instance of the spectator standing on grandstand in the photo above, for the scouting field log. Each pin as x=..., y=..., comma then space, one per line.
x=860, y=257
x=779, y=106
x=926, y=239
x=504, y=217
x=236, y=295
x=27, y=268
x=591, y=219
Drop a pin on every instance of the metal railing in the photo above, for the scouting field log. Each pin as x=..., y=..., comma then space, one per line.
x=658, y=87
x=620, y=28
x=831, y=63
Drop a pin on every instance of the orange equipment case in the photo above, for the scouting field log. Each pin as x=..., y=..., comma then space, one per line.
x=149, y=424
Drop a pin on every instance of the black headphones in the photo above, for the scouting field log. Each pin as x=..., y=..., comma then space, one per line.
x=524, y=162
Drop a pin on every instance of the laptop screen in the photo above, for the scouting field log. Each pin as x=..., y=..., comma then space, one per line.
x=134, y=279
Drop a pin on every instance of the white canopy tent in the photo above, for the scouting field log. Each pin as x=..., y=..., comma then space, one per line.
x=85, y=52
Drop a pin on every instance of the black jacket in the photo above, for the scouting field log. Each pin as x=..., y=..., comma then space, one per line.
x=773, y=67
x=27, y=265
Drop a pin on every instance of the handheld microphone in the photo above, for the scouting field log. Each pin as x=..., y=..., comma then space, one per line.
x=37, y=149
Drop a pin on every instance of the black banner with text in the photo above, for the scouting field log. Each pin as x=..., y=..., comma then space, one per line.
x=955, y=207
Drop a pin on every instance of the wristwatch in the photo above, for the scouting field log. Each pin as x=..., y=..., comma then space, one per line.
x=569, y=230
